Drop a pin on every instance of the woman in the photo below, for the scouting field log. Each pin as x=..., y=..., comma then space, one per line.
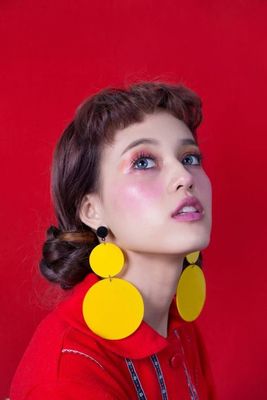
x=126, y=173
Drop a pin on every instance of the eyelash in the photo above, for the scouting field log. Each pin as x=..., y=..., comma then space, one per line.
x=143, y=155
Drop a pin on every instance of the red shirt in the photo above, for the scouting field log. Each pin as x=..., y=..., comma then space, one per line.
x=65, y=360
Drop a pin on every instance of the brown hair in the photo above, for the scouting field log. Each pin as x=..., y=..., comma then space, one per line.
x=75, y=168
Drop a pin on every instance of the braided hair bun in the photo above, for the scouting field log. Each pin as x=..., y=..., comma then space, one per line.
x=65, y=256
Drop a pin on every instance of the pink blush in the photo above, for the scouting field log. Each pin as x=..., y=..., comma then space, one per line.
x=137, y=196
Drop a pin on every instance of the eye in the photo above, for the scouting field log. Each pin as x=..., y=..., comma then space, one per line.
x=143, y=161
x=191, y=157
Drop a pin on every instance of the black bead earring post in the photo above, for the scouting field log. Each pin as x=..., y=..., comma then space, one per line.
x=102, y=232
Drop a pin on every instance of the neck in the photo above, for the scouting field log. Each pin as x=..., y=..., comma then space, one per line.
x=156, y=277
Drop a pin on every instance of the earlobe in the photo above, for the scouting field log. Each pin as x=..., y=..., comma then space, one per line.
x=90, y=211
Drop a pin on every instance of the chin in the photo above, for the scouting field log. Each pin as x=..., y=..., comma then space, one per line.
x=198, y=244
x=204, y=243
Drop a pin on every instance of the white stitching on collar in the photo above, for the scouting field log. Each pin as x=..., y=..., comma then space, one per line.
x=81, y=354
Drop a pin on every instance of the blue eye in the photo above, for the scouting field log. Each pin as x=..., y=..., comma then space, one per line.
x=143, y=161
x=190, y=157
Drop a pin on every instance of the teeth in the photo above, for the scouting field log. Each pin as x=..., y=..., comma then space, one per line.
x=187, y=209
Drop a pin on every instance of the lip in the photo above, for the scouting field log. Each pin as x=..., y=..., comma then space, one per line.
x=188, y=201
x=190, y=216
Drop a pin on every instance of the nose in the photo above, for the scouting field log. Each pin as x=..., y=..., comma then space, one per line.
x=180, y=176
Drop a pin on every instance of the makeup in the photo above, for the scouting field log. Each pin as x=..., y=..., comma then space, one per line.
x=189, y=216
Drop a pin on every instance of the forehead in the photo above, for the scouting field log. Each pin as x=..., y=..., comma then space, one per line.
x=162, y=126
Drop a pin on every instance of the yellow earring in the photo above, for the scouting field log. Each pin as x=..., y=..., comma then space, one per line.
x=191, y=289
x=112, y=308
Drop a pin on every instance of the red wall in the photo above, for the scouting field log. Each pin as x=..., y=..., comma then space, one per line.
x=54, y=54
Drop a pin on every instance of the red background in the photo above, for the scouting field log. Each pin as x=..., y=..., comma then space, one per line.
x=56, y=53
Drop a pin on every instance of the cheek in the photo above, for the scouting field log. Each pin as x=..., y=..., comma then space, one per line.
x=136, y=197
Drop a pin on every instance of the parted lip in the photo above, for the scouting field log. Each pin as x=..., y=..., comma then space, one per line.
x=188, y=201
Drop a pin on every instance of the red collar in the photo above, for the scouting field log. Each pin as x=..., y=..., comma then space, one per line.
x=144, y=342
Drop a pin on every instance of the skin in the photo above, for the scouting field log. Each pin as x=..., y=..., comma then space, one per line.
x=136, y=203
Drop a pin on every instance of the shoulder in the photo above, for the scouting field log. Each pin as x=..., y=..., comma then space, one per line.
x=56, y=353
x=40, y=360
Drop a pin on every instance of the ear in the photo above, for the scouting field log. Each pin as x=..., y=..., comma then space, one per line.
x=91, y=211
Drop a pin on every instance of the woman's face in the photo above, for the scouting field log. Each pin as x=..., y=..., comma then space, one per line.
x=142, y=184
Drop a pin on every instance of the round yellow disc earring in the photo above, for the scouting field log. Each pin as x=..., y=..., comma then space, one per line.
x=191, y=290
x=113, y=308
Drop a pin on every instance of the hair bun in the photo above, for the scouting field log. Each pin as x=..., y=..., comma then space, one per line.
x=65, y=256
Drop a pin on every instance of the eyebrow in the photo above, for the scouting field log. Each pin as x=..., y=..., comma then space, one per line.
x=183, y=142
